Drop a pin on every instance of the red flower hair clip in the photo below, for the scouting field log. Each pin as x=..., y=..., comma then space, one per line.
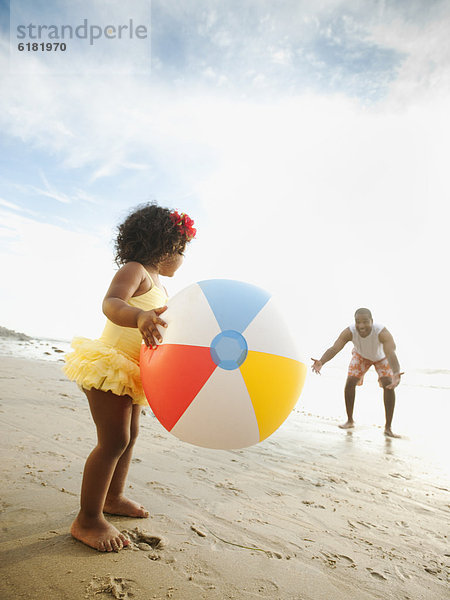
x=184, y=224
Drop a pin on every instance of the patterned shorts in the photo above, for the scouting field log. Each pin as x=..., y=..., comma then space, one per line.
x=359, y=366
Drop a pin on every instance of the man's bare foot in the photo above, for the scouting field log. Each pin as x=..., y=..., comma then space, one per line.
x=120, y=505
x=347, y=425
x=98, y=534
x=388, y=432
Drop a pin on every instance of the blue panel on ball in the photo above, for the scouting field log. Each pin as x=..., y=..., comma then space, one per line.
x=229, y=350
x=234, y=303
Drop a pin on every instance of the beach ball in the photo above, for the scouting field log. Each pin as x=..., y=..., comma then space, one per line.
x=227, y=373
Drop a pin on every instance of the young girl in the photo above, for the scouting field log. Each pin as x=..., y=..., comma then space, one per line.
x=150, y=243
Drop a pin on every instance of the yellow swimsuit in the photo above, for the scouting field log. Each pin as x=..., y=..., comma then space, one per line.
x=111, y=363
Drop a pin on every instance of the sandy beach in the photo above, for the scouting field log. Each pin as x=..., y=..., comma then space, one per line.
x=311, y=513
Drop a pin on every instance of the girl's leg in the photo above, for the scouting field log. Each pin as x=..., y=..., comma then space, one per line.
x=112, y=417
x=116, y=503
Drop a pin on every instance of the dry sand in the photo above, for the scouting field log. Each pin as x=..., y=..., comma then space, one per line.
x=312, y=513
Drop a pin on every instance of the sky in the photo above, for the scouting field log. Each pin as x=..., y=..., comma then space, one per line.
x=308, y=140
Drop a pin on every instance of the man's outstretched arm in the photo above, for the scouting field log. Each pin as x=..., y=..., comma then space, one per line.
x=344, y=337
x=389, y=348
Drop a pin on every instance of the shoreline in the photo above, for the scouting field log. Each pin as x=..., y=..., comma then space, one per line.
x=310, y=513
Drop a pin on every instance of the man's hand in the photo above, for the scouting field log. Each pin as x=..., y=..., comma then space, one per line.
x=316, y=366
x=395, y=381
x=146, y=323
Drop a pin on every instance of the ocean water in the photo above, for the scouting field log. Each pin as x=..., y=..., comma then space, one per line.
x=421, y=417
x=36, y=348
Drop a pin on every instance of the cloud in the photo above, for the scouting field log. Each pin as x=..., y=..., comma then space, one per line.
x=50, y=191
x=54, y=267
x=333, y=201
x=264, y=47
x=423, y=41
x=10, y=205
x=15, y=207
x=336, y=43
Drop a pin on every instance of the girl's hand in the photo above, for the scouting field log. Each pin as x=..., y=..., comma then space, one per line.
x=147, y=321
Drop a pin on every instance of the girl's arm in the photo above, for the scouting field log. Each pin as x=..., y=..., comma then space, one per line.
x=126, y=282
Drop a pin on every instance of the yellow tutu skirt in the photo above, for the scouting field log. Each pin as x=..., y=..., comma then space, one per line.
x=94, y=364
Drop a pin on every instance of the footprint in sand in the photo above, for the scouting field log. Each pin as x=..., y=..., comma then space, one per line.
x=117, y=587
x=142, y=540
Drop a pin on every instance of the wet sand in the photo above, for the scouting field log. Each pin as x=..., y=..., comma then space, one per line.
x=312, y=513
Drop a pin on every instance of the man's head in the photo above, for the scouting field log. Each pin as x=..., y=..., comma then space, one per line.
x=363, y=321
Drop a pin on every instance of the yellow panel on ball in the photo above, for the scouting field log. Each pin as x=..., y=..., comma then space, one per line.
x=274, y=384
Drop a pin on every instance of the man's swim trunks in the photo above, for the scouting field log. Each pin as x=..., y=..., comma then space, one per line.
x=359, y=366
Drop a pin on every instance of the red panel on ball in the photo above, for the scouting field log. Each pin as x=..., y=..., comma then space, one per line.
x=172, y=375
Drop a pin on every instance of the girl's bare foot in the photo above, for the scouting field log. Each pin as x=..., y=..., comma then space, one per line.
x=347, y=425
x=120, y=505
x=98, y=534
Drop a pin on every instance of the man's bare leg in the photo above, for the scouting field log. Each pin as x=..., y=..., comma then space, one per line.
x=389, y=405
x=349, y=394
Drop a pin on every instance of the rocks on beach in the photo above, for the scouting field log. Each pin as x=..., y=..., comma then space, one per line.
x=15, y=343
x=14, y=335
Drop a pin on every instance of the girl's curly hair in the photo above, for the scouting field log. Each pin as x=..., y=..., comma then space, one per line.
x=147, y=235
